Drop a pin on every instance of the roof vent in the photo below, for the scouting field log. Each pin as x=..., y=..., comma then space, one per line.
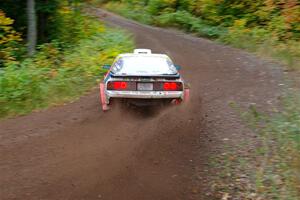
x=142, y=51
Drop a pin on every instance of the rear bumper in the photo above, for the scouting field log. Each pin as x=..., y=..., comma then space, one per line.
x=144, y=94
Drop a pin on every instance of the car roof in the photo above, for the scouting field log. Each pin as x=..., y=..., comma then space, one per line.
x=143, y=62
x=143, y=53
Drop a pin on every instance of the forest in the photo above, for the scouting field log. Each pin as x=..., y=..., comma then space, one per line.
x=51, y=48
x=269, y=27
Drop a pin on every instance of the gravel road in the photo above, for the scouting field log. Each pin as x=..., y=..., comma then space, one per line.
x=76, y=151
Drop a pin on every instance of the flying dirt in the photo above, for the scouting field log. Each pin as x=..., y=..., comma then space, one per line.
x=76, y=151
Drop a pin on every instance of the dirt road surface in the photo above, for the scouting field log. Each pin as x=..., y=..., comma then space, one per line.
x=77, y=152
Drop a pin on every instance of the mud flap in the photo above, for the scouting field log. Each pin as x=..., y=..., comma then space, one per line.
x=105, y=107
x=186, y=95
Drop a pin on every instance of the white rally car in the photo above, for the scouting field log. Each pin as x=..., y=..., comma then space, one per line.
x=142, y=78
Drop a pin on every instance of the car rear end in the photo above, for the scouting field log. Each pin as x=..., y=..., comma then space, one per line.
x=145, y=90
x=143, y=78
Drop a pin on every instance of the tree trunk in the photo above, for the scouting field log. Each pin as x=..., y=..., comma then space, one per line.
x=32, y=28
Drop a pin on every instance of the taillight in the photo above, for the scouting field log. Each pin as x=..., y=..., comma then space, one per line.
x=132, y=86
x=121, y=85
x=172, y=86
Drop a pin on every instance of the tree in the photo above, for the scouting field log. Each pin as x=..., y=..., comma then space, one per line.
x=32, y=27
x=8, y=39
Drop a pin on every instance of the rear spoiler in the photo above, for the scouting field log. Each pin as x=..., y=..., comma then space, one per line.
x=169, y=76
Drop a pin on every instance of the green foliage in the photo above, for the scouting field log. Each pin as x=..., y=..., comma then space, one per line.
x=72, y=26
x=242, y=37
x=46, y=20
x=9, y=39
x=278, y=17
x=15, y=10
x=56, y=75
x=272, y=170
x=269, y=27
x=136, y=12
x=64, y=67
x=190, y=23
x=157, y=7
x=262, y=41
x=277, y=173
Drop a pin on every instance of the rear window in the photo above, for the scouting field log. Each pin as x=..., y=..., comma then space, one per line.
x=144, y=65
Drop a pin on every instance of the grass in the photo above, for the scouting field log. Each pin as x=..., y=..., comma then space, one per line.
x=186, y=21
x=258, y=40
x=272, y=170
x=138, y=14
x=278, y=173
x=261, y=42
x=56, y=75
